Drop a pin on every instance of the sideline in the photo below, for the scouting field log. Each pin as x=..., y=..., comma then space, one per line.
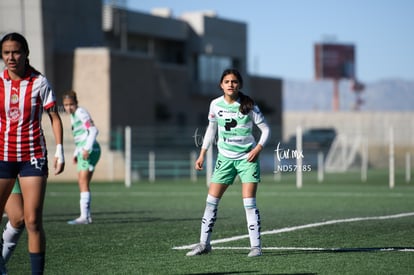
x=294, y=228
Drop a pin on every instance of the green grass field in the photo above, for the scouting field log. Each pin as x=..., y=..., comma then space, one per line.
x=135, y=230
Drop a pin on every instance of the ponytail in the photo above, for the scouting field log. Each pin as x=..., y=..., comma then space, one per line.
x=246, y=103
x=30, y=67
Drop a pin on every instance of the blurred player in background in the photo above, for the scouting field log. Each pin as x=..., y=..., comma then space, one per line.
x=86, y=155
x=234, y=115
x=24, y=95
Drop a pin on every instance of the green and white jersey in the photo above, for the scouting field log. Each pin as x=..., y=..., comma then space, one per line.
x=83, y=130
x=235, y=138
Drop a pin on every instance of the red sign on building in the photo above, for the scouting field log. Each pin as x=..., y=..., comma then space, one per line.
x=334, y=61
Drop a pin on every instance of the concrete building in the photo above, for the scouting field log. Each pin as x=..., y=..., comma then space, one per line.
x=136, y=69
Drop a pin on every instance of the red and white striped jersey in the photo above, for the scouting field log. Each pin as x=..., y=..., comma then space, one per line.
x=21, y=106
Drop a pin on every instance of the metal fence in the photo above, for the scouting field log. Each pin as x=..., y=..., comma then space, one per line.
x=170, y=152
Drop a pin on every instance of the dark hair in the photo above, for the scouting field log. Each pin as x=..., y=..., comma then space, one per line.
x=71, y=95
x=14, y=36
x=246, y=102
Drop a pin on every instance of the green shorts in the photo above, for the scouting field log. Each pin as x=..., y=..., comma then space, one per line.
x=226, y=170
x=90, y=163
x=16, y=188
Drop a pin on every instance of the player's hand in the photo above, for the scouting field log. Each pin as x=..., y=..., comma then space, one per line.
x=59, y=160
x=59, y=166
x=85, y=154
x=254, y=153
x=199, y=163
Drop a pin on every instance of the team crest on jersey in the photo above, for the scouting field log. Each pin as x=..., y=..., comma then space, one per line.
x=14, y=114
x=240, y=115
x=14, y=99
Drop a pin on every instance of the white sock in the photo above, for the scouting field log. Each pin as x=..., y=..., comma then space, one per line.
x=11, y=236
x=209, y=219
x=253, y=221
x=85, y=203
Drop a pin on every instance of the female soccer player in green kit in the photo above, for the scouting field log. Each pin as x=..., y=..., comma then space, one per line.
x=233, y=114
x=86, y=155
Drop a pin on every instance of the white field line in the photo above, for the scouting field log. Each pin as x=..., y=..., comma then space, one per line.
x=338, y=249
x=305, y=226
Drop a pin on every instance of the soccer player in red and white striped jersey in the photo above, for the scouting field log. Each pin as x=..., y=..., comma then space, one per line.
x=24, y=95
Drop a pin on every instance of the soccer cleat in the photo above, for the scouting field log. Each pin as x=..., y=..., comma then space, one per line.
x=81, y=220
x=199, y=249
x=255, y=251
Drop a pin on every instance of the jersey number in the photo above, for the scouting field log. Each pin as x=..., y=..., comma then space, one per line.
x=218, y=164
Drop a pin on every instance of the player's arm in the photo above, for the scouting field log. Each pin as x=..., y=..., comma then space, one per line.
x=89, y=126
x=265, y=133
x=57, y=128
x=92, y=134
x=207, y=141
x=264, y=128
x=90, y=140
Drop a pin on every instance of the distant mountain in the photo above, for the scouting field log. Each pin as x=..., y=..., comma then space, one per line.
x=384, y=95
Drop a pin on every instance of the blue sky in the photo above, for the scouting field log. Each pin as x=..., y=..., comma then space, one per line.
x=281, y=33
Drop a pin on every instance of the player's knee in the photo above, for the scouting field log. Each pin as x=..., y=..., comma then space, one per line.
x=33, y=224
x=17, y=222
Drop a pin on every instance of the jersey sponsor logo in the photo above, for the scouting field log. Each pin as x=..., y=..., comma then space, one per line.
x=230, y=123
x=239, y=140
x=228, y=113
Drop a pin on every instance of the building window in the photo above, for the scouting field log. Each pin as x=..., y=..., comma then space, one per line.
x=209, y=69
